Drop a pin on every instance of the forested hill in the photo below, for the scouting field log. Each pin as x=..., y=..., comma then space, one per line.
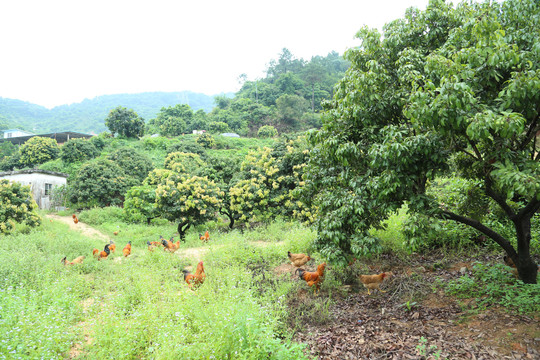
x=88, y=116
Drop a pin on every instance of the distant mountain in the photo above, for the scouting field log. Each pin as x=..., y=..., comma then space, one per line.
x=89, y=115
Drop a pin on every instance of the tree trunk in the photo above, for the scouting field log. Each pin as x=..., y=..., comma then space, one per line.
x=182, y=228
x=526, y=267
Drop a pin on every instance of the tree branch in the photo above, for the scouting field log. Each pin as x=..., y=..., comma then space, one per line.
x=499, y=239
x=532, y=207
x=499, y=199
x=531, y=133
x=476, y=151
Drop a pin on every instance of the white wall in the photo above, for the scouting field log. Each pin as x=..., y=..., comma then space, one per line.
x=15, y=133
x=37, y=183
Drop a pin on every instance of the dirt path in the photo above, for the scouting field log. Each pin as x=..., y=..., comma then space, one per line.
x=82, y=227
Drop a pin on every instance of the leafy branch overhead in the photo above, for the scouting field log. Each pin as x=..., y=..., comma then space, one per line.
x=442, y=90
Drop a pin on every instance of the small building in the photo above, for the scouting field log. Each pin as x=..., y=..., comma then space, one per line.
x=198, y=132
x=41, y=183
x=11, y=133
x=60, y=137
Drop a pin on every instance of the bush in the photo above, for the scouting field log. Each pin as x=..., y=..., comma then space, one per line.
x=78, y=150
x=267, y=131
x=39, y=150
x=206, y=140
x=218, y=127
x=100, y=183
x=16, y=206
x=132, y=163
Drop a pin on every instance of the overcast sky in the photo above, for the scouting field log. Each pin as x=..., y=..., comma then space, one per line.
x=56, y=52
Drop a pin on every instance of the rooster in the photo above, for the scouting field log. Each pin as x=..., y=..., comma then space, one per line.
x=372, y=282
x=298, y=259
x=195, y=280
x=75, y=219
x=127, y=249
x=112, y=246
x=77, y=260
x=102, y=254
x=312, y=278
x=170, y=246
x=205, y=237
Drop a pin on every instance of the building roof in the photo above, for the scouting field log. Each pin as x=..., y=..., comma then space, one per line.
x=33, y=171
x=60, y=137
x=230, y=135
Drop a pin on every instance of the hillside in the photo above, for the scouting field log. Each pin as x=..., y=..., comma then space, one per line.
x=88, y=116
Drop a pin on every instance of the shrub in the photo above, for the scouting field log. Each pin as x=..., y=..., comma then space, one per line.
x=78, y=150
x=39, y=150
x=140, y=204
x=16, y=206
x=100, y=183
x=206, y=140
x=134, y=164
x=218, y=127
x=267, y=131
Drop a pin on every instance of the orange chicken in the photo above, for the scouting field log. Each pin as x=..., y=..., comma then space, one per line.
x=298, y=259
x=102, y=254
x=313, y=278
x=77, y=260
x=205, y=237
x=75, y=219
x=112, y=246
x=170, y=246
x=195, y=280
x=127, y=249
x=372, y=282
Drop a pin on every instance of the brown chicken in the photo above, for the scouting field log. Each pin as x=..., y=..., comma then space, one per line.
x=75, y=219
x=102, y=254
x=372, y=282
x=298, y=259
x=195, y=280
x=115, y=232
x=313, y=278
x=112, y=246
x=205, y=237
x=77, y=260
x=127, y=249
x=170, y=246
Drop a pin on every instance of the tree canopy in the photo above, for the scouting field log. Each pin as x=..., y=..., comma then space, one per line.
x=125, y=122
x=445, y=89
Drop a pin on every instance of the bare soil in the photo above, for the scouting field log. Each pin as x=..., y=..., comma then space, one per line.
x=432, y=326
x=80, y=226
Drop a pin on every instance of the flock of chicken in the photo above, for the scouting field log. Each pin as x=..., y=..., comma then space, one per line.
x=315, y=278
x=193, y=280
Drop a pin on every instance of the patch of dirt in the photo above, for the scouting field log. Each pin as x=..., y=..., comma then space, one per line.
x=409, y=321
x=82, y=227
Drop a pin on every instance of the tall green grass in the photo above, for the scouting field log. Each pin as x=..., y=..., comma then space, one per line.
x=139, y=307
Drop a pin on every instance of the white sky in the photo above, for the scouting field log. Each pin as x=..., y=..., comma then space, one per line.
x=55, y=52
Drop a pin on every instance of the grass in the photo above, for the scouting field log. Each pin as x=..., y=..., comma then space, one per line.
x=139, y=307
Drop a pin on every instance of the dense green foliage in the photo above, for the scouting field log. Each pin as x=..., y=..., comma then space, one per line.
x=78, y=150
x=100, y=182
x=444, y=89
x=124, y=122
x=16, y=206
x=38, y=150
x=187, y=200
